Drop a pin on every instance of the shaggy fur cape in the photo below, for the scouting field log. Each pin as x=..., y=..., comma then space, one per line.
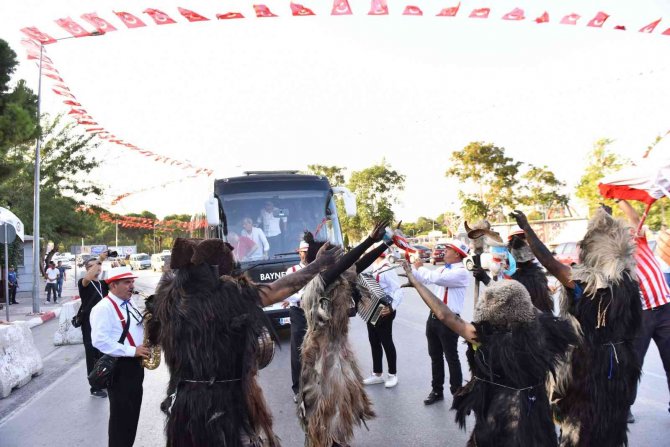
x=208, y=328
x=530, y=275
x=519, y=348
x=595, y=389
x=331, y=398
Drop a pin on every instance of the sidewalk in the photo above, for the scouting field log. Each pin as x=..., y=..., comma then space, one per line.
x=23, y=310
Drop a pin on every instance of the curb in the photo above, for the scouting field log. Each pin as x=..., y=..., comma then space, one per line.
x=41, y=319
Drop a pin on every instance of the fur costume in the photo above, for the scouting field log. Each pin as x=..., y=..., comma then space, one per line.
x=596, y=387
x=209, y=327
x=331, y=398
x=530, y=274
x=519, y=349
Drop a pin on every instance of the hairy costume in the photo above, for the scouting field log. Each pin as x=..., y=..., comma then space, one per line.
x=595, y=389
x=519, y=348
x=209, y=327
x=530, y=274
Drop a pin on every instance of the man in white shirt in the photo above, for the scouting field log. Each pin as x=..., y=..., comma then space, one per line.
x=272, y=225
x=51, y=276
x=381, y=334
x=108, y=319
x=298, y=321
x=448, y=284
x=262, y=246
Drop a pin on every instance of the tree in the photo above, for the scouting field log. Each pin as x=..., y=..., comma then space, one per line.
x=489, y=175
x=600, y=162
x=541, y=191
x=376, y=190
x=334, y=174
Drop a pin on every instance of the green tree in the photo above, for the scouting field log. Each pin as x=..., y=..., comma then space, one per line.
x=601, y=161
x=489, y=175
x=334, y=174
x=541, y=192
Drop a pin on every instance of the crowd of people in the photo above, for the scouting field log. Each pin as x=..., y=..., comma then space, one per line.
x=529, y=369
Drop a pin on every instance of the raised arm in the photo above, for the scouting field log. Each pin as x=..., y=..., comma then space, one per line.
x=368, y=258
x=560, y=271
x=441, y=311
x=632, y=215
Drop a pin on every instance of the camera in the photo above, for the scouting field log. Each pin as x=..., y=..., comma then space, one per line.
x=112, y=254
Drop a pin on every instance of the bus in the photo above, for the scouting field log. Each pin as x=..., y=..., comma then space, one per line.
x=280, y=205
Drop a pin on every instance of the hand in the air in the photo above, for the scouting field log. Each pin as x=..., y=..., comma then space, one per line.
x=480, y=275
x=378, y=233
x=328, y=254
x=521, y=219
x=407, y=267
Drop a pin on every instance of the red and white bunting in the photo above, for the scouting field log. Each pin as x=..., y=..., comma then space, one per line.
x=102, y=25
x=159, y=17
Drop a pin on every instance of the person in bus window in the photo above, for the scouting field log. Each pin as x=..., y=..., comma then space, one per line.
x=257, y=236
x=272, y=225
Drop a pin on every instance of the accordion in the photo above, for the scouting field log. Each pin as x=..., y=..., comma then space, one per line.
x=371, y=304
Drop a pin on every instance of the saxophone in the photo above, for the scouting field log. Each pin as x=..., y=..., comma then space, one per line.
x=154, y=359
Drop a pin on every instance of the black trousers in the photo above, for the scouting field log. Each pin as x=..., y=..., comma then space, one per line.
x=12, y=294
x=656, y=325
x=92, y=354
x=443, y=342
x=298, y=330
x=381, y=341
x=52, y=287
x=125, y=401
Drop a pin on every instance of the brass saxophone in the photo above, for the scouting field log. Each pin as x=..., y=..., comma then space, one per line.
x=154, y=359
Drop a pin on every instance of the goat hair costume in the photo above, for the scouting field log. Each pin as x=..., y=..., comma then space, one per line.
x=519, y=348
x=209, y=327
x=595, y=388
x=331, y=398
x=530, y=274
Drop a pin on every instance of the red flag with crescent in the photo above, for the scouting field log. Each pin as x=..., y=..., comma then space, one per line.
x=646, y=182
x=480, y=13
x=159, y=16
x=341, y=8
x=651, y=27
x=38, y=35
x=263, y=11
x=102, y=25
x=570, y=19
x=54, y=77
x=515, y=14
x=378, y=8
x=450, y=11
x=191, y=16
x=129, y=20
x=544, y=18
x=412, y=11
x=299, y=10
x=230, y=15
x=598, y=20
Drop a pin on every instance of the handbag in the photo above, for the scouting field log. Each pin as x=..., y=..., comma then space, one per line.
x=102, y=374
x=76, y=320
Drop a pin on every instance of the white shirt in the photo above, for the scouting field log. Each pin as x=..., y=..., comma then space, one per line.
x=270, y=223
x=261, y=242
x=296, y=297
x=450, y=281
x=389, y=281
x=106, y=327
x=52, y=275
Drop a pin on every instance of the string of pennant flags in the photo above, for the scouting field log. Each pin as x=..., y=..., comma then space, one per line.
x=146, y=223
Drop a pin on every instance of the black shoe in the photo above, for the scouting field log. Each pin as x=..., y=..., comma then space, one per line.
x=99, y=393
x=631, y=418
x=433, y=397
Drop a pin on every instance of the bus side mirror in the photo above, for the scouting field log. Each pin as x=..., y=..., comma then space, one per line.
x=212, y=210
x=348, y=198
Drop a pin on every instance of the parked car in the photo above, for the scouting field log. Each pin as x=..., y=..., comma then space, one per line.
x=158, y=261
x=438, y=254
x=139, y=261
x=484, y=260
x=422, y=252
x=567, y=253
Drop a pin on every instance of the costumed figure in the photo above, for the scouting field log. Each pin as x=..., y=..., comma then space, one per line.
x=529, y=273
x=594, y=388
x=215, y=336
x=331, y=400
x=513, y=350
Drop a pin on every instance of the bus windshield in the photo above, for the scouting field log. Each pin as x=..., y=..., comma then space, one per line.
x=270, y=224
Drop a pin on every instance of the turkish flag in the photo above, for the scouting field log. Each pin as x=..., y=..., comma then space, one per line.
x=299, y=10
x=412, y=11
x=598, y=20
x=620, y=27
x=230, y=15
x=515, y=14
x=341, y=8
x=666, y=32
x=378, y=8
x=102, y=25
x=62, y=87
x=54, y=77
x=58, y=92
x=71, y=103
x=46, y=66
x=30, y=44
x=38, y=35
x=191, y=16
x=129, y=20
x=263, y=11
x=480, y=13
x=651, y=27
x=72, y=27
x=159, y=16
x=544, y=18
x=570, y=19
x=450, y=11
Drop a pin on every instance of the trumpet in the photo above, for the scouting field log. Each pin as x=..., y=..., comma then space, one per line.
x=154, y=359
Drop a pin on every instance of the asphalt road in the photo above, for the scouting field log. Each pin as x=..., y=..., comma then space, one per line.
x=55, y=409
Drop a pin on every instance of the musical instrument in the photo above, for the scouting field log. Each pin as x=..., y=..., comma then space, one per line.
x=154, y=359
x=372, y=304
x=266, y=349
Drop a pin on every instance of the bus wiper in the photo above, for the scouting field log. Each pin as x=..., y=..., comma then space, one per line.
x=290, y=253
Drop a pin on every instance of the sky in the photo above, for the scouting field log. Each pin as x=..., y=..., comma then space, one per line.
x=285, y=92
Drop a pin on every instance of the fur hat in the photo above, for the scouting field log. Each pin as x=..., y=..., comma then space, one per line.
x=191, y=252
x=505, y=302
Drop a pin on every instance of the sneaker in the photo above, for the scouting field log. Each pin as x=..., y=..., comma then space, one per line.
x=391, y=381
x=47, y=302
x=99, y=393
x=373, y=380
x=631, y=418
x=433, y=397
x=295, y=398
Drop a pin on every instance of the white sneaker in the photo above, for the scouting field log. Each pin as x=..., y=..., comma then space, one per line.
x=391, y=381
x=373, y=380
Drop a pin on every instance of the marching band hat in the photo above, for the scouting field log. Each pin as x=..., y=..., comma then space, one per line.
x=119, y=273
x=304, y=246
x=460, y=247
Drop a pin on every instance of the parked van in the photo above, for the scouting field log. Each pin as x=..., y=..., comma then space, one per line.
x=139, y=261
x=158, y=261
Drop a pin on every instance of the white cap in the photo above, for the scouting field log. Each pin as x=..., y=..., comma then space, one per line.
x=304, y=246
x=460, y=247
x=118, y=273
